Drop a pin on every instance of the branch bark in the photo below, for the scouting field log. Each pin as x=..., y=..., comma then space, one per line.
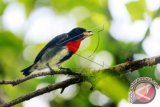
x=130, y=66
x=18, y=81
x=41, y=91
x=120, y=68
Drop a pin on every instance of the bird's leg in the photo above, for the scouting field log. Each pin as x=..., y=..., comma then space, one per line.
x=69, y=71
x=65, y=69
x=51, y=70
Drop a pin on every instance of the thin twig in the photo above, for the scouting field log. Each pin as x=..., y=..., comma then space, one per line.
x=18, y=81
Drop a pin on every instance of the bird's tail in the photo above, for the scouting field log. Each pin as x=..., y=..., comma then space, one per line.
x=27, y=70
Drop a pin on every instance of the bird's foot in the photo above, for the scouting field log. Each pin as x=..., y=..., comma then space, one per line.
x=51, y=70
x=65, y=69
x=68, y=70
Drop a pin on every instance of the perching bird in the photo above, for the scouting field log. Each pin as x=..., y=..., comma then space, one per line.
x=58, y=50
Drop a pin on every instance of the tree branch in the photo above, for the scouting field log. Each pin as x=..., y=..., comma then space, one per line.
x=130, y=66
x=41, y=91
x=120, y=68
x=18, y=81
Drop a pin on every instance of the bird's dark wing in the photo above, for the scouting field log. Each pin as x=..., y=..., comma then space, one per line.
x=59, y=40
x=65, y=57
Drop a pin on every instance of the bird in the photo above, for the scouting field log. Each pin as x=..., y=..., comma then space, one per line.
x=58, y=50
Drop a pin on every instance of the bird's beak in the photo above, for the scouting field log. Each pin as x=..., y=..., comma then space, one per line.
x=87, y=34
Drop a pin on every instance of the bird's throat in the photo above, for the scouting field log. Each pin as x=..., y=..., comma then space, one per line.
x=73, y=46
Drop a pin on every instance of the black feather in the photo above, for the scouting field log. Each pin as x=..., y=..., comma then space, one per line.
x=26, y=71
x=55, y=42
x=65, y=57
x=54, y=46
x=61, y=40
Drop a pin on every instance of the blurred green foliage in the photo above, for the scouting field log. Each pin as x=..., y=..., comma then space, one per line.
x=137, y=9
x=2, y=7
x=12, y=48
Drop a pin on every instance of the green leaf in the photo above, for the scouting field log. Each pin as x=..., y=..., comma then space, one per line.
x=63, y=6
x=137, y=9
x=2, y=7
x=112, y=86
x=29, y=5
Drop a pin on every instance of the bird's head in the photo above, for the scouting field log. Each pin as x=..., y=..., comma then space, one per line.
x=79, y=33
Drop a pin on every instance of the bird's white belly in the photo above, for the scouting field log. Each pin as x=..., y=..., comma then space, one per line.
x=52, y=61
x=55, y=59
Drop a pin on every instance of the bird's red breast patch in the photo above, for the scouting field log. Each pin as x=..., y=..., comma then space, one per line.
x=73, y=45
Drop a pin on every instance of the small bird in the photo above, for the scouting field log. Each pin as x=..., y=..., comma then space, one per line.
x=58, y=50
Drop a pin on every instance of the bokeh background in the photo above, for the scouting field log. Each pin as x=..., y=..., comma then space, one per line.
x=122, y=29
